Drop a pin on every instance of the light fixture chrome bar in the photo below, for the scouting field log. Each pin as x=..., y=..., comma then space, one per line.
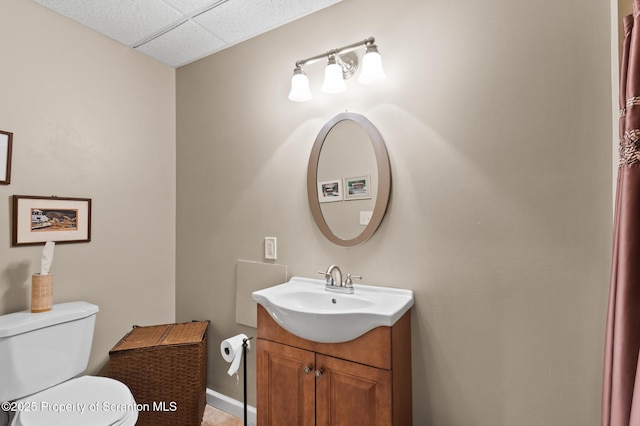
x=344, y=49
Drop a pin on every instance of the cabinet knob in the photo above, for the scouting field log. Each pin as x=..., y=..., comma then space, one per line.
x=307, y=370
x=319, y=372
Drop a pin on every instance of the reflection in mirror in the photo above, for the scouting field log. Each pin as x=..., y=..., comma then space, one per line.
x=347, y=154
x=348, y=180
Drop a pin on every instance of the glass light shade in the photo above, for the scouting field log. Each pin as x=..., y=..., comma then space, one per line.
x=372, y=72
x=300, y=91
x=333, y=80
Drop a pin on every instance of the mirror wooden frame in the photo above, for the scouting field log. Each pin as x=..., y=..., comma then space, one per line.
x=384, y=180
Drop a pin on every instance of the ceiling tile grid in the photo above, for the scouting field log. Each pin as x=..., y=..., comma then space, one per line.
x=182, y=45
x=240, y=19
x=122, y=20
x=177, y=32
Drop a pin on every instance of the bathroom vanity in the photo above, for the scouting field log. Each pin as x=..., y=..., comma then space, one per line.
x=364, y=381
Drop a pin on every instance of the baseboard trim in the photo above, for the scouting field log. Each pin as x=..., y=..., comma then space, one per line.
x=231, y=406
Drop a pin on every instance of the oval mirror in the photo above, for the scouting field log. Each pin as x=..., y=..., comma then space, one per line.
x=348, y=179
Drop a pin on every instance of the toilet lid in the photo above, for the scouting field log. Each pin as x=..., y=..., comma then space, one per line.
x=83, y=401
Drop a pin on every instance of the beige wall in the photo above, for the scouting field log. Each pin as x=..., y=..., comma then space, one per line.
x=497, y=121
x=91, y=118
x=497, y=118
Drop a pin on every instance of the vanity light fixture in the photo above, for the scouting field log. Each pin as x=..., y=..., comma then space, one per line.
x=300, y=91
x=372, y=64
x=333, y=79
x=341, y=65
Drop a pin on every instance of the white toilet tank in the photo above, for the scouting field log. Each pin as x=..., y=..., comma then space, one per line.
x=40, y=350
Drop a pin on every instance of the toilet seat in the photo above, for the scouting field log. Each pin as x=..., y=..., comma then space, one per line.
x=86, y=400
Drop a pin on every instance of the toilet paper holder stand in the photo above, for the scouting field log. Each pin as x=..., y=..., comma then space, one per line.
x=245, y=345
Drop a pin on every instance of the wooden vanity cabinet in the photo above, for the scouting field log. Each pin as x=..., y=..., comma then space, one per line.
x=366, y=381
x=283, y=384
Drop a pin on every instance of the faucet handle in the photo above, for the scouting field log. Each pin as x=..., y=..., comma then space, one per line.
x=348, y=282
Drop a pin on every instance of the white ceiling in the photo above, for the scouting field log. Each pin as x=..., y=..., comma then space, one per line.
x=177, y=32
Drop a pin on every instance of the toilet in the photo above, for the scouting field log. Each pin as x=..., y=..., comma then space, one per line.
x=41, y=358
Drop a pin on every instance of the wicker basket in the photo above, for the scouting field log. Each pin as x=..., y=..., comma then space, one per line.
x=41, y=292
x=165, y=366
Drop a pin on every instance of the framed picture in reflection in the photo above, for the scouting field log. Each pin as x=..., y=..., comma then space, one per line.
x=357, y=188
x=330, y=191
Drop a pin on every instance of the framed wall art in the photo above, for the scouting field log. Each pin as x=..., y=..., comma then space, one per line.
x=6, y=140
x=330, y=190
x=357, y=188
x=36, y=220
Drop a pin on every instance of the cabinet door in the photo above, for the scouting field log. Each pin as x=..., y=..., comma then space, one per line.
x=285, y=385
x=351, y=394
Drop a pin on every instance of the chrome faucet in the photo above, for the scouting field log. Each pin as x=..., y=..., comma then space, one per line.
x=333, y=280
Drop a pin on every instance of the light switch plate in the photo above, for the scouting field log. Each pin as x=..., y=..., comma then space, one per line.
x=365, y=217
x=270, y=248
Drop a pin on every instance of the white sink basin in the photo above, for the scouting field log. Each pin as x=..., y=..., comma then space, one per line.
x=303, y=307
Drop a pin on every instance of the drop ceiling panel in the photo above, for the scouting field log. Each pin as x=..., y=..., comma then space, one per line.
x=126, y=21
x=314, y=5
x=177, y=32
x=240, y=19
x=189, y=6
x=182, y=45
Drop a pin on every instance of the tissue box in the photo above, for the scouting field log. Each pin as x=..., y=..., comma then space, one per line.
x=165, y=366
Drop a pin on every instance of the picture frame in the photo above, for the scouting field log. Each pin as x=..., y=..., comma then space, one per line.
x=330, y=191
x=6, y=142
x=36, y=220
x=357, y=188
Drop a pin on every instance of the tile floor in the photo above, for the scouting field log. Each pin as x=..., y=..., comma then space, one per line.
x=215, y=417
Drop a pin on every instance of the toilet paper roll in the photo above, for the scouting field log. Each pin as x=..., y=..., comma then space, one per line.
x=231, y=351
